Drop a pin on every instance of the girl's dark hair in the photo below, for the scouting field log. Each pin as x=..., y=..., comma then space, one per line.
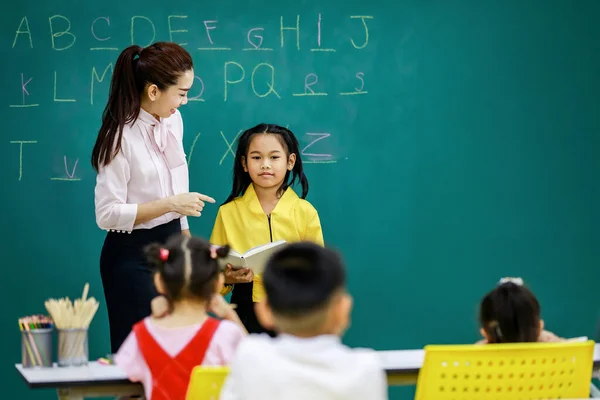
x=510, y=314
x=241, y=178
x=162, y=64
x=189, y=269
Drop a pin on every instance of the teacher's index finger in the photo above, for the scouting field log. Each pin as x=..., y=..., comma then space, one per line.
x=205, y=198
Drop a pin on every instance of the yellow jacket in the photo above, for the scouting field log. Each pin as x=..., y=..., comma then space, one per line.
x=242, y=224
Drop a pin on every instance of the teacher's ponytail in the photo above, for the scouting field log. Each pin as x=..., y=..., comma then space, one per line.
x=123, y=106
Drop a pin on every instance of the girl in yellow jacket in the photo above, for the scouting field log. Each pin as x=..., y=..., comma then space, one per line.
x=262, y=207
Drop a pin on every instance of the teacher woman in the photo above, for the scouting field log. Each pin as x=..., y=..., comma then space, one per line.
x=142, y=187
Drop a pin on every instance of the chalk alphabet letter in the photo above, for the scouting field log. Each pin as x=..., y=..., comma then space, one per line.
x=271, y=85
x=95, y=78
x=21, y=143
x=55, y=35
x=319, y=48
x=94, y=32
x=309, y=81
x=363, y=18
x=198, y=97
x=70, y=176
x=57, y=99
x=307, y=84
x=189, y=159
x=24, y=93
x=360, y=76
x=133, y=29
x=209, y=28
x=288, y=28
x=313, y=157
x=226, y=79
x=20, y=32
x=259, y=37
x=172, y=31
x=229, y=146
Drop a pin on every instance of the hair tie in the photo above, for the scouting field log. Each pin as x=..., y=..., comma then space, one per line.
x=496, y=327
x=213, y=253
x=164, y=254
x=138, y=53
x=516, y=281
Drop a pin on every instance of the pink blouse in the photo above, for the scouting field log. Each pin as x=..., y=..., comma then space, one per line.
x=151, y=165
x=221, y=350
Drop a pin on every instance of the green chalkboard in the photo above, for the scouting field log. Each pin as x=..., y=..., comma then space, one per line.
x=448, y=143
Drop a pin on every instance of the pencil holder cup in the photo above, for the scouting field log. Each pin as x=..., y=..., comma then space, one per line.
x=36, y=348
x=72, y=347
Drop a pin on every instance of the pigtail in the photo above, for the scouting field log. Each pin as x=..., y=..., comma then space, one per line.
x=303, y=180
x=297, y=172
x=216, y=254
x=494, y=332
x=155, y=255
x=240, y=178
x=158, y=256
x=169, y=261
x=222, y=251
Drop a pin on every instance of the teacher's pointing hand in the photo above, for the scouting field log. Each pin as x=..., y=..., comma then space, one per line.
x=190, y=204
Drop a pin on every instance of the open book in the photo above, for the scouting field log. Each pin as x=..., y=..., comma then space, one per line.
x=256, y=258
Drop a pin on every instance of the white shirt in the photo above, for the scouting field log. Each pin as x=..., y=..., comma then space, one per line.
x=291, y=368
x=150, y=165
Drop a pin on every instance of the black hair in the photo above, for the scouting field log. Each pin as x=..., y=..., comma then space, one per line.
x=186, y=267
x=241, y=178
x=162, y=64
x=301, y=278
x=510, y=314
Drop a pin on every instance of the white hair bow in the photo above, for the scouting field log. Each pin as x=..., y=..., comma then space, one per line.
x=516, y=281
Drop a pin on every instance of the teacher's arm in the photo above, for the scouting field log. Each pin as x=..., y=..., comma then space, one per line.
x=112, y=210
x=185, y=204
x=110, y=196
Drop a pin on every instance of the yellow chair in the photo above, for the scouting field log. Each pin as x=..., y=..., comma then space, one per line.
x=206, y=383
x=506, y=371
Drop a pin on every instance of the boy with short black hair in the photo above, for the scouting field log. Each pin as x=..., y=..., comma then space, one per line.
x=308, y=305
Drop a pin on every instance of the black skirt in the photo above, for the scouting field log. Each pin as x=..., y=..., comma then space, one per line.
x=127, y=278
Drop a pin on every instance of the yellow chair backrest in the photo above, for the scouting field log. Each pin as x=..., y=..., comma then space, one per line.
x=506, y=371
x=206, y=382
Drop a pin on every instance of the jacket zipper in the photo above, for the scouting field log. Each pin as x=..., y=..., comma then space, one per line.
x=270, y=228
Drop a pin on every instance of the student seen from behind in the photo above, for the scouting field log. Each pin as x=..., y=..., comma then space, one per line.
x=308, y=306
x=162, y=350
x=510, y=313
